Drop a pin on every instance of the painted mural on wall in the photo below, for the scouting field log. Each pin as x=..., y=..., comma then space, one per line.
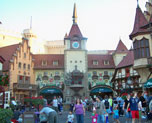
x=96, y=78
x=52, y=79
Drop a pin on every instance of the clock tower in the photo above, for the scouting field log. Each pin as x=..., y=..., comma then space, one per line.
x=75, y=60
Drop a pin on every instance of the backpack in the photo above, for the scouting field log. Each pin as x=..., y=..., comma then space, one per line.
x=106, y=104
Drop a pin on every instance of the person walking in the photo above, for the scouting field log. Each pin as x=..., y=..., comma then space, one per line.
x=55, y=104
x=107, y=104
x=52, y=116
x=79, y=111
x=121, y=103
x=144, y=104
x=59, y=104
x=70, y=118
x=100, y=110
x=127, y=113
x=116, y=114
x=110, y=103
x=134, y=105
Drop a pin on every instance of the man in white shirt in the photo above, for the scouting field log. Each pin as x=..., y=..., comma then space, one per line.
x=51, y=114
x=55, y=104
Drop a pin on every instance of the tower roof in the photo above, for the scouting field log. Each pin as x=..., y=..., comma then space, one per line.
x=75, y=31
x=127, y=61
x=121, y=47
x=140, y=21
x=7, y=53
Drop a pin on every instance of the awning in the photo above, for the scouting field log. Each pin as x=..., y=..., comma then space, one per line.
x=101, y=89
x=148, y=84
x=50, y=91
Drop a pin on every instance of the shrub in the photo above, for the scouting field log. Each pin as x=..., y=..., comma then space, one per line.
x=5, y=115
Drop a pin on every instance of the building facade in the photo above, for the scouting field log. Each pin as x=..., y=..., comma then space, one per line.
x=18, y=66
x=142, y=41
x=66, y=67
x=126, y=78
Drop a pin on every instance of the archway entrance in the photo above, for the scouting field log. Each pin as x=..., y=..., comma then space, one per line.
x=101, y=91
x=49, y=92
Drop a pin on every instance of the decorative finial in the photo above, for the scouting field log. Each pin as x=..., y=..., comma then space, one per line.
x=74, y=15
x=31, y=23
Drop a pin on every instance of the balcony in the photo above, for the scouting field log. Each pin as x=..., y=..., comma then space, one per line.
x=22, y=86
x=141, y=63
x=76, y=86
x=149, y=60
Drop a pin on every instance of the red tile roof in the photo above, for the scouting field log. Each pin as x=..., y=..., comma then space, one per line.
x=38, y=58
x=140, y=21
x=7, y=53
x=121, y=47
x=75, y=31
x=100, y=59
x=128, y=60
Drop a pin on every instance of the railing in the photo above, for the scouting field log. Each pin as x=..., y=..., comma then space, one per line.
x=149, y=60
x=22, y=86
x=76, y=85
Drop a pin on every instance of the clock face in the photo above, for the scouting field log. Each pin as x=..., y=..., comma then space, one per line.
x=75, y=44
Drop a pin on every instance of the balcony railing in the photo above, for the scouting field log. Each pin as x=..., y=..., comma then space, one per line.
x=149, y=60
x=76, y=86
x=23, y=86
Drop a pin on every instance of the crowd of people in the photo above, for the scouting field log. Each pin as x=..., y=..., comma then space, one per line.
x=131, y=106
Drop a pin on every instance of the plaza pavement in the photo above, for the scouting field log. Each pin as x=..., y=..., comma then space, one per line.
x=87, y=118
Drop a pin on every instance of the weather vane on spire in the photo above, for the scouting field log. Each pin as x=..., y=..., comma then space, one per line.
x=74, y=14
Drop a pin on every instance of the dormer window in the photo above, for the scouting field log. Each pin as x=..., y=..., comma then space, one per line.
x=95, y=62
x=44, y=63
x=106, y=62
x=55, y=63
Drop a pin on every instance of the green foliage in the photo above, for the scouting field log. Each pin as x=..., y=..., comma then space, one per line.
x=5, y=115
x=34, y=100
x=37, y=102
x=4, y=80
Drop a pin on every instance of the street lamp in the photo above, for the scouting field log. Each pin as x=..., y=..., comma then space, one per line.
x=129, y=82
x=30, y=89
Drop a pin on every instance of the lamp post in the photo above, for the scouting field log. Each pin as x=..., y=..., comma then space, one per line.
x=30, y=95
x=129, y=82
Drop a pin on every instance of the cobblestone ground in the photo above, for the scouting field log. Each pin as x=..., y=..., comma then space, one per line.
x=87, y=119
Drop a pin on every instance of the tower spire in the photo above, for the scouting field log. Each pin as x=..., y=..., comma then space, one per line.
x=137, y=3
x=31, y=23
x=74, y=15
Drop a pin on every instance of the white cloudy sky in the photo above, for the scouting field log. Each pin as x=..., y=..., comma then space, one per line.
x=103, y=22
